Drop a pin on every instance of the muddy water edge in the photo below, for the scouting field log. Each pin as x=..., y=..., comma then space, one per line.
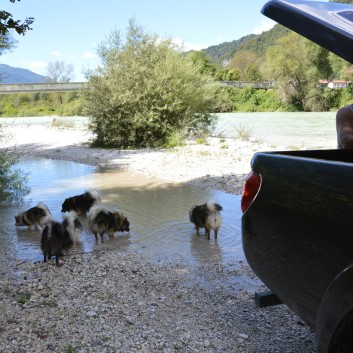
x=158, y=213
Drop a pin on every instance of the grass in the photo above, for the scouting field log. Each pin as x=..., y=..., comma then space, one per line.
x=201, y=141
x=62, y=122
x=23, y=298
x=176, y=139
x=243, y=132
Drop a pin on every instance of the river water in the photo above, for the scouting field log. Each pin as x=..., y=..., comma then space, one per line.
x=297, y=129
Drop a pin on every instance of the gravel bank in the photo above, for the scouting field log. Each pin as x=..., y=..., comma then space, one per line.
x=220, y=164
x=119, y=301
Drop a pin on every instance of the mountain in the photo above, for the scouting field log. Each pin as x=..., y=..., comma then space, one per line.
x=9, y=74
x=225, y=50
x=253, y=42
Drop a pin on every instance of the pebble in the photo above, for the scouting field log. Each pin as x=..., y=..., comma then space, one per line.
x=143, y=313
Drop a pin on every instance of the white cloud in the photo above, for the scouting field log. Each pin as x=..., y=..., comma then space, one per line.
x=265, y=25
x=89, y=55
x=219, y=40
x=36, y=66
x=185, y=46
x=57, y=53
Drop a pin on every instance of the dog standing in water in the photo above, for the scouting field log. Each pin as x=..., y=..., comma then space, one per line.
x=81, y=203
x=38, y=215
x=60, y=236
x=206, y=216
x=102, y=220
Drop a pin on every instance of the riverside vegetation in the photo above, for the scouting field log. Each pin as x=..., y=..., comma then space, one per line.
x=230, y=100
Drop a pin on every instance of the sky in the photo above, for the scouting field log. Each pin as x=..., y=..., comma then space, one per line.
x=70, y=30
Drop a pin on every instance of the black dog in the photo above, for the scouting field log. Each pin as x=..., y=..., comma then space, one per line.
x=81, y=203
x=206, y=216
x=58, y=237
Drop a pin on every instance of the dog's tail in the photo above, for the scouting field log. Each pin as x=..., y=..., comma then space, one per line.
x=73, y=226
x=191, y=214
x=48, y=216
x=214, y=207
x=94, y=211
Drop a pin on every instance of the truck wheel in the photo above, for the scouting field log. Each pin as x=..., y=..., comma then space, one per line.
x=342, y=340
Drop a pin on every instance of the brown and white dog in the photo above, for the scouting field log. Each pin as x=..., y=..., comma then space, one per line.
x=102, y=220
x=206, y=216
x=81, y=203
x=60, y=236
x=38, y=215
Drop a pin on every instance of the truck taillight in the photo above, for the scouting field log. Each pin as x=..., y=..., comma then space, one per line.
x=251, y=187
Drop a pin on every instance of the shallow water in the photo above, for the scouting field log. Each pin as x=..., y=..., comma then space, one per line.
x=158, y=213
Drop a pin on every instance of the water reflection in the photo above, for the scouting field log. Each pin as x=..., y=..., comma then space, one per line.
x=157, y=212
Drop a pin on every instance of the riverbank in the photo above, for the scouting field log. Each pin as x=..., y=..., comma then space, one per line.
x=221, y=163
x=120, y=301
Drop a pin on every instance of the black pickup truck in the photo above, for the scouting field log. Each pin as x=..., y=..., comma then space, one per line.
x=297, y=223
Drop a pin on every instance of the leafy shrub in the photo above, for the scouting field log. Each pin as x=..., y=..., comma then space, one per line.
x=72, y=96
x=24, y=99
x=12, y=181
x=9, y=110
x=144, y=92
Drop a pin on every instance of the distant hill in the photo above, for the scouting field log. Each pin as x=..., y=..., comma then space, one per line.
x=225, y=50
x=9, y=74
x=253, y=42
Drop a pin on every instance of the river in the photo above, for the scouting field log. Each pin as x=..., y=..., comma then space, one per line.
x=297, y=130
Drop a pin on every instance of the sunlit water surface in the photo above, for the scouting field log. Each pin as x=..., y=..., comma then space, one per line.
x=157, y=211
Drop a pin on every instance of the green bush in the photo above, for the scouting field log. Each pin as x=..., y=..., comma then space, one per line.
x=249, y=99
x=41, y=104
x=145, y=92
x=12, y=181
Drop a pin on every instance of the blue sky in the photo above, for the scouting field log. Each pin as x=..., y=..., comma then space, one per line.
x=69, y=30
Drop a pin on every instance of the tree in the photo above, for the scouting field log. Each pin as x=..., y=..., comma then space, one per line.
x=7, y=42
x=60, y=72
x=12, y=181
x=248, y=65
x=203, y=61
x=145, y=91
x=296, y=64
x=233, y=75
x=7, y=23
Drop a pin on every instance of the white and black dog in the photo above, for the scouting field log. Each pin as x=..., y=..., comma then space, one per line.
x=81, y=203
x=206, y=216
x=102, y=220
x=38, y=215
x=59, y=236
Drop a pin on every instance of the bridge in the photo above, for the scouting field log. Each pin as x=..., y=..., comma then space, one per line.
x=76, y=86
x=39, y=87
x=242, y=84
